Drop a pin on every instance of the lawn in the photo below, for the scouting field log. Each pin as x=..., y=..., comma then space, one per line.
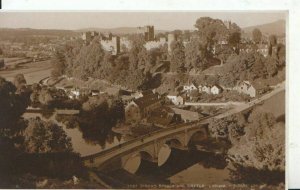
x=33, y=71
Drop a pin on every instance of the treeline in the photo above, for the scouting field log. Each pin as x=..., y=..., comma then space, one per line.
x=135, y=67
x=21, y=138
x=256, y=147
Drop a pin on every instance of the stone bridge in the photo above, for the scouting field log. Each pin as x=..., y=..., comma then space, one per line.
x=155, y=147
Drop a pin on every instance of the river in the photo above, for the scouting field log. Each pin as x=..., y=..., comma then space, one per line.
x=81, y=145
x=182, y=167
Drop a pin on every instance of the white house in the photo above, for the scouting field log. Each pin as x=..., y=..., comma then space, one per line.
x=200, y=88
x=216, y=89
x=246, y=87
x=74, y=94
x=190, y=87
x=206, y=89
x=176, y=99
x=95, y=92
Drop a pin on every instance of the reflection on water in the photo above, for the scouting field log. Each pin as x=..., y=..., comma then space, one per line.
x=80, y=139
x=198, y=174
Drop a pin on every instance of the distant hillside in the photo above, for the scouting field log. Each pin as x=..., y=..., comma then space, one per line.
x=277, y=28
x=23, y=32
x=119, y=30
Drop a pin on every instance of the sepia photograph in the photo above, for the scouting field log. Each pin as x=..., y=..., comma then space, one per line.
x=143, y=99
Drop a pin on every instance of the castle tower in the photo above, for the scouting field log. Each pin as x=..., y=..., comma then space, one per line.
x=171, y=38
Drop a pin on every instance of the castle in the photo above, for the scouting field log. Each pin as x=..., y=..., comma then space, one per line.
x=109, y=42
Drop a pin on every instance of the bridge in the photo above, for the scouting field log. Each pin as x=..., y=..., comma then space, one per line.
x=156, y=146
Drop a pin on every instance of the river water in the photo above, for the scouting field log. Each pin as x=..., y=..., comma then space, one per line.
x=182, y=167
x=80, y=145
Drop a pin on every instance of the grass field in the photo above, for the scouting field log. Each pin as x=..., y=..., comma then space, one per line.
x=275, y=104
x=33, y=72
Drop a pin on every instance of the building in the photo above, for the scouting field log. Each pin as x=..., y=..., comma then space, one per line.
x=227, y=23
x=125, y=44
x=74, y=93
x=148, y=32
x=155, y=44
x=108, y=42
x=246, y=87
x=112, y=45
x=186, y=115
x=263, y=49
x=175, y=98
x=206, y=88
x=163, y=117
x=95, y=92
x=190, y=87
x=141, y=107
x=171, y=38
x=216, y=89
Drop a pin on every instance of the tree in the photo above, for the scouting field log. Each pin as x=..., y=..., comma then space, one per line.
x=230, y=128
x=262, y=146
x=271, y=66
x=177, y=56
x=234, y=38
x=256, y=35
x=136, y=47
x=195, y=56
x=272, y=40
x=12, y=105
x=19, y=80
x=59, y=62
x=45, y=137
x=210, y=30
x=186, y=35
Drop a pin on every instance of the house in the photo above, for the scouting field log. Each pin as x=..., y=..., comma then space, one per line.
x=163, y=117
x=200, y=88
x=190, y=87
x=141, y=107
x=175, y=98
x=206, y=89
x=74, y=93
x=216, y=89
x=246, y=87
x=186, y=115
x=95, y=92
x=263, y=49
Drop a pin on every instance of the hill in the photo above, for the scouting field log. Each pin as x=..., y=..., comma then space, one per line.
x=118, y=30
x=23, y=32
x=277, y=28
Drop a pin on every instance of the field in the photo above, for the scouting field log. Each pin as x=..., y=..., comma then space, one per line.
x=33, y=71
x=275, y=105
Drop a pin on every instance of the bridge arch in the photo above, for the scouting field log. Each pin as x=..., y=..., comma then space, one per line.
x=197, y=136
x=166, y=149
x=133, y=162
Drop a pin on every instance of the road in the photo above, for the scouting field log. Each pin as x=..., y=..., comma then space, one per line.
x=230, y=103
x=134, y=144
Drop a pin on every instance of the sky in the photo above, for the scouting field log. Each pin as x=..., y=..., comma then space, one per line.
x=161, y=20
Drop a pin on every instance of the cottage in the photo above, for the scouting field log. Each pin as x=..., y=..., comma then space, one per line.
x=176, y=99
x=141, y=107
x=74, y=93
x=206, y=89
x=246, y=87
x=95, y=92
x=163, y=117
x=190, y=87
x=216, y=89
x=263, y=49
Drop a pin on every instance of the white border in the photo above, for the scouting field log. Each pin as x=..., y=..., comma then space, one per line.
x=293, y=44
